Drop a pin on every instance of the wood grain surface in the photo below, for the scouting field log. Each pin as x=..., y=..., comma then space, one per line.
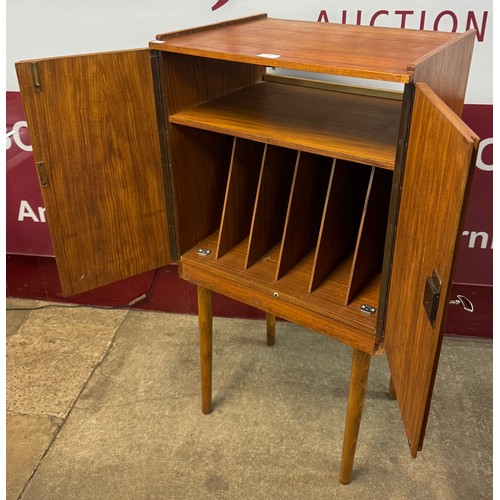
x=357, y=387
x=305, y=209
x=341, y=217
x=369, y=250
x=241, y=191
x=271, y=203
x=358, y=51
x=323, y=310
x=439, y=166
x=94, y=126
x=352, y=127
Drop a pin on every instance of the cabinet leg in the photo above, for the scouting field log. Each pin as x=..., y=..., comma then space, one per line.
x=357, y=388
x=392, y=391
x=271, y=328
x=205, y=321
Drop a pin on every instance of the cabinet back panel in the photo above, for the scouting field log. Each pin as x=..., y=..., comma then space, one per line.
x=341, y=217
x=271, y=203
x=305, y=208
x=200, y=163
x=241, y=189
x=189, y=81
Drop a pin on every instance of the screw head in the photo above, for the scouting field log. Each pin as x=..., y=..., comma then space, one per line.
x=367, y=309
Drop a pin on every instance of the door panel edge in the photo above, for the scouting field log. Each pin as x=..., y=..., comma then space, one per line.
x=438, y=173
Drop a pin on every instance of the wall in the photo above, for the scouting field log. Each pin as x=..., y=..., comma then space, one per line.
x=45, y=29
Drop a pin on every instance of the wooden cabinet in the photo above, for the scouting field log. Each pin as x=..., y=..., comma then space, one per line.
x=336, y=207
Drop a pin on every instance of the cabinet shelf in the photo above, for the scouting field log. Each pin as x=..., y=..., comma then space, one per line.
x=351, y=127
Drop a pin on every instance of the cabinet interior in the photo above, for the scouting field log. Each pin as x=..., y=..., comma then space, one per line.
x=283, y=187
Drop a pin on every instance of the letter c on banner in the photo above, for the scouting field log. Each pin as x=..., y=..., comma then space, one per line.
x=15, y=136
x=480, y=163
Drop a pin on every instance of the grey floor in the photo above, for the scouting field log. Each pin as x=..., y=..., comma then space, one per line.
x=105, y=405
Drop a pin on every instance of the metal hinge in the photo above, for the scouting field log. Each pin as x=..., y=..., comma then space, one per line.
x=36, y=77
x=42, y=174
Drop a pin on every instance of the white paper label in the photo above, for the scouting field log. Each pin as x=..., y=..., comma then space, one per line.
x=269, y=56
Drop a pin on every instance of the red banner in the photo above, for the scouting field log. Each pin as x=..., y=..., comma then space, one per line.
x=27, y=232
x=475, y=264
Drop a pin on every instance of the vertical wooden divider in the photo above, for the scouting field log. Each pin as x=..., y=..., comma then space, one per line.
x=371, y=238
x=341, y=217
x=243, y=178
x=271, y=202
x=305, y=208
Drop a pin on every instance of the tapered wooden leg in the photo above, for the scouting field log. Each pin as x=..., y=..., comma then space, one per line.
x=205, y=320
x=392, y=391
x=271, y=328
x=357, y=388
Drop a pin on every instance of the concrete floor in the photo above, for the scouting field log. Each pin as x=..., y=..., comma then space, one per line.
x=104, y=404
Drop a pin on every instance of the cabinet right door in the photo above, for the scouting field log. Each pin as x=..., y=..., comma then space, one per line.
x=438, y=172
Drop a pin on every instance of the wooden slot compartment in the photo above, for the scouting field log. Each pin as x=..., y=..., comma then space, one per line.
x=369, y=251
x=343, y=209
x=271, y=202
x=244, y=171
x=199, y=168
x=305, y=208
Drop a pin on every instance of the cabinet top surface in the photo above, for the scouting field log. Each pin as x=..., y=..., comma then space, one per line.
x=389, y=54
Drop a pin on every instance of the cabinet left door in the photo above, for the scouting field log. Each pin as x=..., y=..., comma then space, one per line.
x=94, y=130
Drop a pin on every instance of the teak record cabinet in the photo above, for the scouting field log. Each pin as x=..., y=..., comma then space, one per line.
x=335, y=207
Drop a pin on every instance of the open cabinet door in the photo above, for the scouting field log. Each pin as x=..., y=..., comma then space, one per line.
x=438, y=172
x=93, y=126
